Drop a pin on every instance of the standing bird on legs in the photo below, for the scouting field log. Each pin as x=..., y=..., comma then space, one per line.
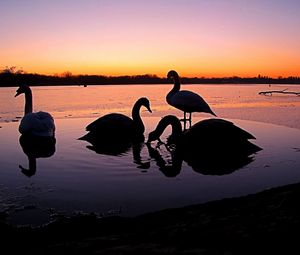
x=185, y=100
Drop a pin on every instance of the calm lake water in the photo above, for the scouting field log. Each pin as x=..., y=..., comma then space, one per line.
x=76, y=178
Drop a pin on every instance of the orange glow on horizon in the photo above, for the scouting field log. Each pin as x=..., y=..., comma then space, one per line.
x=244, y=61
x=198, y=39
x=162, y=74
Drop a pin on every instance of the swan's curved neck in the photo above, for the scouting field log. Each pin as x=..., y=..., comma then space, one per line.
x=164, y=166
x=137, y=117
x=32, y=164
x=174, y=90
x=176, y=87
x=32, y=167
x=175, y=124
x=28, y=102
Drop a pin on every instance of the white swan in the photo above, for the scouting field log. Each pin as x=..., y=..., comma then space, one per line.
x=119, y=127
x=185, y=100
x=34, y=123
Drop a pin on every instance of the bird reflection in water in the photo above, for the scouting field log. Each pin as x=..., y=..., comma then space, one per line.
x=117, y=147
x=217, y=164
x=36, y=147
x=212, y=146
x=171, y=167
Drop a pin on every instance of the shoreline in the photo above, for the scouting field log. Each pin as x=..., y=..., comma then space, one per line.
x=159, y=83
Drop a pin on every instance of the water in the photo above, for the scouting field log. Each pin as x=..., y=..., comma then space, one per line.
x=76, y=178
x=227, y=101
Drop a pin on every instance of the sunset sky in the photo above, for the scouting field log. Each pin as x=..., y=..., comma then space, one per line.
x=117, y=37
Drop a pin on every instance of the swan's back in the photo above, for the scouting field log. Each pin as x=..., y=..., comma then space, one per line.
x=188, y=101
x=218, y=128
x=218, y=135
x=113, y=127
x=37, y=124
x=111, y=123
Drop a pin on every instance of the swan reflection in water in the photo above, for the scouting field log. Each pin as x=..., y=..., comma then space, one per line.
x=212, y=146
x=217, y=164
x=36, y=147
x=106, y=146
x=171, y=167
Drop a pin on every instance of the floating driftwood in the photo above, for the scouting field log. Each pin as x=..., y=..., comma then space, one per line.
x=270, y=92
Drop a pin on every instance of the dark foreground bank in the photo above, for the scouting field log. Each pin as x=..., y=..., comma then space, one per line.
x=262, y=223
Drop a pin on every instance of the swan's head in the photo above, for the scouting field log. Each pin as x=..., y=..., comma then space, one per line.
x=153, y=136
x=22, y=89
x=163, y=124
x=172, y=74
x=145, y=102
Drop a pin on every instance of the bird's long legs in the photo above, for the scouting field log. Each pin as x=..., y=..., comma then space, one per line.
x=185, y=120
x=184, y=117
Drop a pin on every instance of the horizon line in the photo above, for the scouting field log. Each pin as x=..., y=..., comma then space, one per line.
x=70, y=74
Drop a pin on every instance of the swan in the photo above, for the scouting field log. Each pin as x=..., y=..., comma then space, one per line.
x=185, y=100
x=34, y=123
x=207, y=137
x=116, y=126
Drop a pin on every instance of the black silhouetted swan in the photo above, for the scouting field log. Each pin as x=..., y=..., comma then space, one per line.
x=116, y=126
x=34, y=123
x=185, y=100
x=206, y=137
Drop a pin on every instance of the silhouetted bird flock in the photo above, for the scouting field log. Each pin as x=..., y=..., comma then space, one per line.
x=206, y=138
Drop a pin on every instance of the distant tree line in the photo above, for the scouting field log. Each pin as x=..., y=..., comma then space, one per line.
x=11, y=76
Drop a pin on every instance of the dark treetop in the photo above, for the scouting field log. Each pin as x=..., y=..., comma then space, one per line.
x=11, y=78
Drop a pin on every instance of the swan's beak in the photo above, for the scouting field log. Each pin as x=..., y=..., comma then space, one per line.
x=170, y=76
x=148, y=142
x=18, y=93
